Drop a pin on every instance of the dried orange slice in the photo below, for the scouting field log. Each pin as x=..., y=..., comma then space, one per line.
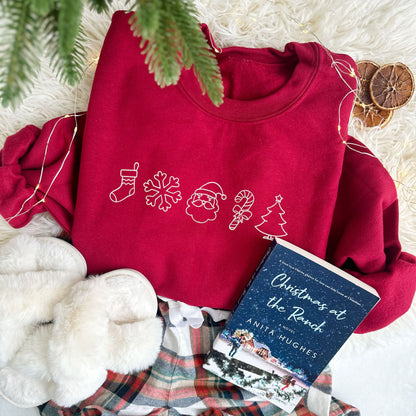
x=392, y=86
x=371, y=115
x=366, y=70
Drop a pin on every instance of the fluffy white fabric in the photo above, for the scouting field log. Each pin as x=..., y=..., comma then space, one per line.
x=98, y=327
x=26, y=380
x=35, y=274
x=94, y=329
x=381, y=31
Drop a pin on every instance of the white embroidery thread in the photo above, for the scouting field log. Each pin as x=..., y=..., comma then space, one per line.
x=242, y=212
x=275, y=228
x=127, y=186
x=162, y=192
x=203, y=204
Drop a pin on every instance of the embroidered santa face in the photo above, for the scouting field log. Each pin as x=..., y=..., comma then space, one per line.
x=203, y=204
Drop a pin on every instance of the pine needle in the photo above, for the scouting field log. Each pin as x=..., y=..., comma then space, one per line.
x=170, y=32
x=99, y=6
x=19, y=52
x=68, y=65
x=69, y=23
x=42, y=7
x=196, y=51
x=172, y=39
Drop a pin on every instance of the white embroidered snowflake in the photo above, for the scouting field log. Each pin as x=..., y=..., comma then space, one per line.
x=162, y=191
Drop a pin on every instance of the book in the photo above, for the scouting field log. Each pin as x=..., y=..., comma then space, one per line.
x=292, y=318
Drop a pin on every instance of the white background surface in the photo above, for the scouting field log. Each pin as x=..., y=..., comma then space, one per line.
x=6, y=409
x=375, y=372
x=379, y=377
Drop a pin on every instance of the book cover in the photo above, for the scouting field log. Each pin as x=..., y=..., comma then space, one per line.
x=294, y=315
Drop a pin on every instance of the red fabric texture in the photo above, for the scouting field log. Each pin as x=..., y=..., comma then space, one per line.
x=161, y=170
x=21, y=161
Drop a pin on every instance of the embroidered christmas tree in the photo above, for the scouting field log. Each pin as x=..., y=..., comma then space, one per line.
x=273, y=221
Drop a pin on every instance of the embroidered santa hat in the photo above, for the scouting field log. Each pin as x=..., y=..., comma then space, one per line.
x=211, y=189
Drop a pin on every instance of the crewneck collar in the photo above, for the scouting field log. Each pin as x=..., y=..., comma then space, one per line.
x=306, y=56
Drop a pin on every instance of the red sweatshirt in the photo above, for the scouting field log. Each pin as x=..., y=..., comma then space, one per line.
x=163, y=181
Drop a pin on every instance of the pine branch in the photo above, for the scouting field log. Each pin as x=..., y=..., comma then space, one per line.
x=19, y=51
x=68, y=65
x=159, y=42
x=173, y=39
x=196, y=51
x=69, y=23
x=99, y=6
x=42, y=7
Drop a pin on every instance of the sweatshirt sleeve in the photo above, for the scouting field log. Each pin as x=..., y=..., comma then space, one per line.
x=364, y=238
x=39, y=171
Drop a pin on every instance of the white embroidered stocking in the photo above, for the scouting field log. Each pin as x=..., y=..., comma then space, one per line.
x=127, y=187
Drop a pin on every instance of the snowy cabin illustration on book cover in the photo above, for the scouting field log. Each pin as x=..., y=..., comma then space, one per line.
x=294, y=315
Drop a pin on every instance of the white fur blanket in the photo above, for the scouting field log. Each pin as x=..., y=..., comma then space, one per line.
x=375, y=371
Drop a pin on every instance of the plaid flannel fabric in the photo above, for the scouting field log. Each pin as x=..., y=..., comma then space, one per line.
x=178, y=385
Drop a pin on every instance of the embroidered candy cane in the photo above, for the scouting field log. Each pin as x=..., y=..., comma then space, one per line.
x=243, y=212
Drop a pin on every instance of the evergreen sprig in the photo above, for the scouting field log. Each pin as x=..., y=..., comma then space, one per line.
x=66, y=51
x=19, y=51
x=161, y=47
x=99, y=6
x=170, y=37
x=42, y=7
x=195, y=50
x=69, y=24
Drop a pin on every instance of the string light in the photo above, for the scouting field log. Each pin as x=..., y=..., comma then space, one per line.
x=343, y=68
x=94, y=61
x=213, y=44
x=22, y=210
